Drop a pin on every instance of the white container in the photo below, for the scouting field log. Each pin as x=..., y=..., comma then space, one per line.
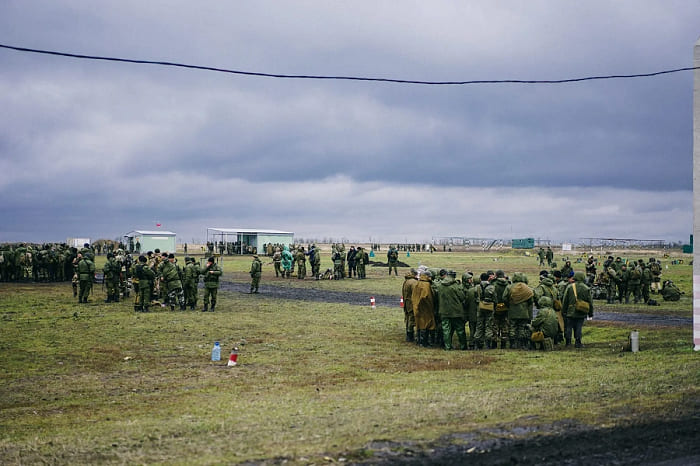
x=634, y=341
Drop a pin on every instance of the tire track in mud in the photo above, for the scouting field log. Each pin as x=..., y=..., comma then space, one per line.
x=362, y=299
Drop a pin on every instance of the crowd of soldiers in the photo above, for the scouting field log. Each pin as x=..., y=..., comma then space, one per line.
x=26, y=262
x=155, y=278
x=621, y=279
x=492, y=310
x=288, y=258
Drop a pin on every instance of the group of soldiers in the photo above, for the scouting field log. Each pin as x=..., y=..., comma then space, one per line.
x=24, y=262
x=156, y=279
x=286, y=259
x=492, y=310
x=622, y=278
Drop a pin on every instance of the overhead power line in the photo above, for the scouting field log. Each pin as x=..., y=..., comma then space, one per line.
x=347, y=78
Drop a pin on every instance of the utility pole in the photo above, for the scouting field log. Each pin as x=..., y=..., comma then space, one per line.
x=696, y=195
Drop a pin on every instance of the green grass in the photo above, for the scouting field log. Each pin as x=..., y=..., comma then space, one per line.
x=99, y=383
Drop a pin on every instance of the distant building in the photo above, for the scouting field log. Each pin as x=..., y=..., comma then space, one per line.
x=77, y=242
x=246, y=240
x=142, y=241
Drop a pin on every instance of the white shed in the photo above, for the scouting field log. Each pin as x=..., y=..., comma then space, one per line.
x=141, y=241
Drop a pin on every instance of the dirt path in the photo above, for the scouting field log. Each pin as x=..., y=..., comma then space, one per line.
x=362, y=299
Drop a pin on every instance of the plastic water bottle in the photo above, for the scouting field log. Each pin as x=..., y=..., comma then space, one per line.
x=216, y=352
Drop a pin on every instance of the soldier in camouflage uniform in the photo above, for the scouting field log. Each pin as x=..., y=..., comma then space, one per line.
x=85, y=268
x=645, y=281
x=392, y=256
x=484, y=313
x=170, y=279
x=190, y=282
x=277, y=261
x=287, y=260
x=471, y=304
x=146, y=276
x=576, y=291
x=111, y=278
x=520, y=300
x=450, y=300
x=255, y=273
x=362, y=259
x=500, y=314
x=655, y=268
x=300, y=259
x=211, y=274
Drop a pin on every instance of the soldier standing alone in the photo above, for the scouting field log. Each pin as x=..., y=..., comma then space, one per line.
x=255, y=273
x=211, y=274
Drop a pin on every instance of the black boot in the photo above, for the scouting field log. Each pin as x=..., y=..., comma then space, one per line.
x=116, y=298
x=205, y=308
x=109, y=299
x=424, y=340
x=213, y=305
x=409, y=336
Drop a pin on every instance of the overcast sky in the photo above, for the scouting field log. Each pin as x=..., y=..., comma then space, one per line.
x=96, y=149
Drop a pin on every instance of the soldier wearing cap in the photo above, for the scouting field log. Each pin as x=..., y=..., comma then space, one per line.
x=255, y=273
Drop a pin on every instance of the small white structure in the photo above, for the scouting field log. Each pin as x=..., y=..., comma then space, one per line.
x=141, y=241
x=77, y=242
x=246, y=240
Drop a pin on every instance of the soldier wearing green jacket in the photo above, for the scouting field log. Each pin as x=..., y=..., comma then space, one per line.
x=646, y=280
x=450, y=301
x=471, y=303
x=86, y=273
x=300, y=259
x=546, y=322
x=170, y=278
x=520, y=300
x=484, y=313
x=500, y=313
x=146, y=277
x=255, y=273
x=577, y=304
x=111, y=271
x=190, y=282
x=211, y=274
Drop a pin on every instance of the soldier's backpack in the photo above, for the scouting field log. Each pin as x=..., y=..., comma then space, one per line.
x=655, y=268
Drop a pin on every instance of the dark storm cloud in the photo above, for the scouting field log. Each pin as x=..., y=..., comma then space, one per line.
x=113, y=146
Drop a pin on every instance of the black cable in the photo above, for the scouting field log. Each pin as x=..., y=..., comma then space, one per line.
x=347, y=78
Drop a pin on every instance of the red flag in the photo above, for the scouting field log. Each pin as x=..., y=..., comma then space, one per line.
x=157, y=224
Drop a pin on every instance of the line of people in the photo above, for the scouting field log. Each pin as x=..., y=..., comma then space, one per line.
x=494, y=310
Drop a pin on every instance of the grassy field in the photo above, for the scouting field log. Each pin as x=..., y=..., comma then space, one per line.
x=316, y=382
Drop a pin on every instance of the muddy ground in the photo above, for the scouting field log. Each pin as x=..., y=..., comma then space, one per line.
x=671, y=442
x=362, y=299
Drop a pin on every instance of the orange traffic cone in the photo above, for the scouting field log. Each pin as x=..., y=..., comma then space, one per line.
x=401, y=302
x=372, y=302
